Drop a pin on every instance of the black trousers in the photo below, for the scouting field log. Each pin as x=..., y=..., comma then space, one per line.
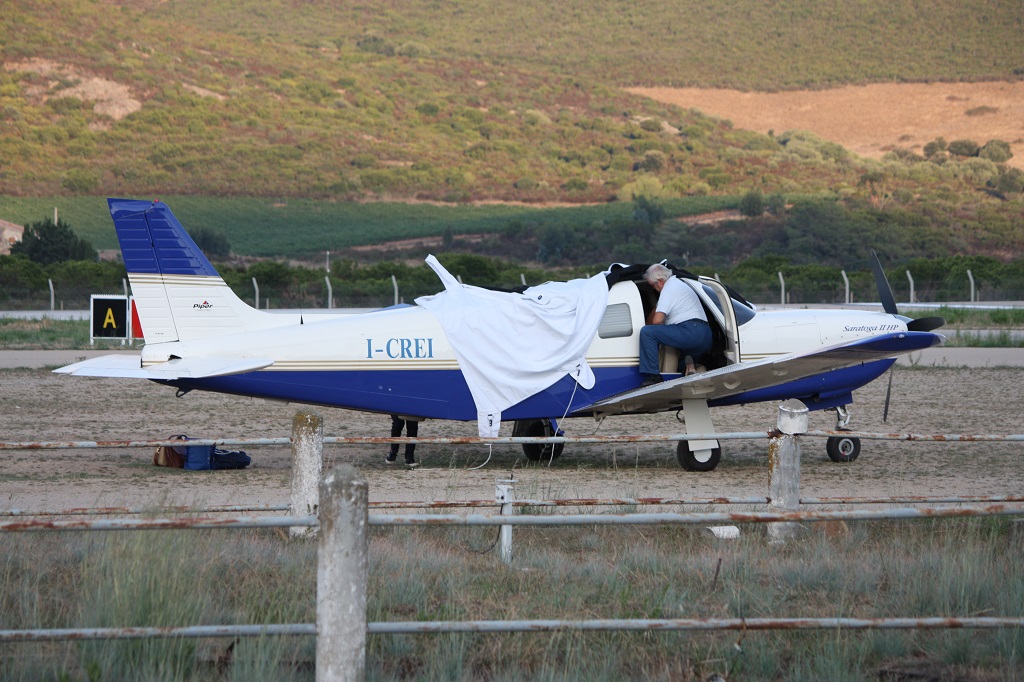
x=412, y=428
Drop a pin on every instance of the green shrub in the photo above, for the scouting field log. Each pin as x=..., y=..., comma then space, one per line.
x=364, y=161
x=996, y=151
x=1010, y=180
x=576, y=184
x=651, y=125
x=935, y=146
x=652, y=161
x=963, y=148
x=752, y=203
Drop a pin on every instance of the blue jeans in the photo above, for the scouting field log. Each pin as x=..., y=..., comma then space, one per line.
x=692, y=338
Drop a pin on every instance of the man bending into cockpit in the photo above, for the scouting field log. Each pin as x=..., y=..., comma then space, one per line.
x=678, y=321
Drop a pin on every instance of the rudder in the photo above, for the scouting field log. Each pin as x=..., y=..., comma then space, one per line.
x=180, y=296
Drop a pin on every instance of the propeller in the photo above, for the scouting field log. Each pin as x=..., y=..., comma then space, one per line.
x=921, y=324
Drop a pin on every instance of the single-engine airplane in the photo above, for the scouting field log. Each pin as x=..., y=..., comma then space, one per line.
x=531, y=356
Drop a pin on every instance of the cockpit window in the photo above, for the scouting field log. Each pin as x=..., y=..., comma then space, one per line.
x=743, y=313
x=617, y=322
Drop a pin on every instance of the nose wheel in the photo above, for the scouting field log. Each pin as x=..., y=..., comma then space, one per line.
x=842, y=448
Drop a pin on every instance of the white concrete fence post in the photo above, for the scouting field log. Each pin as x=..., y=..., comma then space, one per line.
x=341, y=576
x=307, y=466
x=504, y=494
x=784, y=468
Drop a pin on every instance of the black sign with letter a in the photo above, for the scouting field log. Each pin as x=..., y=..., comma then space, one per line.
x=109, y=316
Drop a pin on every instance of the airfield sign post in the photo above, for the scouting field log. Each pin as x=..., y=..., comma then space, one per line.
x=109, y=318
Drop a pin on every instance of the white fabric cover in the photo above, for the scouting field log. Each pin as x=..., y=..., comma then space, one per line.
x=512, y=346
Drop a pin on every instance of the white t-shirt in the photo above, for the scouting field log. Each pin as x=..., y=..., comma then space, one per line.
x=679, y=302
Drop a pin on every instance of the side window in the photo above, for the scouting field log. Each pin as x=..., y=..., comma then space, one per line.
x=617, y=322
x=743, y=313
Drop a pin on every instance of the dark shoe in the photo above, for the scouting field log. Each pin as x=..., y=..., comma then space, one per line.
x=390, y=459
x=411, y=465
x=651, y=379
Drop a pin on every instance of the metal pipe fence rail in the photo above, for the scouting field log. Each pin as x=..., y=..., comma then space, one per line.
x=631, y=519
x=540, y=625
x=509, y=440
x=519, y=503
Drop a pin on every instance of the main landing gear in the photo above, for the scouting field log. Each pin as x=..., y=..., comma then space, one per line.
x=538, y=428
x=842, y=448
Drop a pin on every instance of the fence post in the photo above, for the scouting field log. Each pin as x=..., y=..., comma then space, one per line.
x=784, y=467
x=504, y=494
x=341, y=576
x=307, y=465
x=782, y=286
x=971, y=277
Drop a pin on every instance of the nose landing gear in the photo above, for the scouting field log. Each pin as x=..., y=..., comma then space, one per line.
x=842, y=448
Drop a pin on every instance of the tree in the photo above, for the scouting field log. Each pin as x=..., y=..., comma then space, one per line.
x=647, y=211
x=752, y=203
x=996, y=151
x=46, y=242
x=213, y=243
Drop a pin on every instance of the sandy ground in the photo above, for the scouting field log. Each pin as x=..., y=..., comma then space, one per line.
x=872, y=119
x=36, y=405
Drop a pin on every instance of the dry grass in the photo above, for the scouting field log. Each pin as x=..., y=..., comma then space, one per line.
x=944, y=568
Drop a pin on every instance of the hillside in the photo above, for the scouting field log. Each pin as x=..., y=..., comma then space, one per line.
x=475, y=101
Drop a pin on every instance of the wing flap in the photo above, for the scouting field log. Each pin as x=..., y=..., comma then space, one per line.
x=130, y=367
x=749, y=376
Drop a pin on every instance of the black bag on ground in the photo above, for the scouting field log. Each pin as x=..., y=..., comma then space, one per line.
x=229, y=459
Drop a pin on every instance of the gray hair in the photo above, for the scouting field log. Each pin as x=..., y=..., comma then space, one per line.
x=657, y=272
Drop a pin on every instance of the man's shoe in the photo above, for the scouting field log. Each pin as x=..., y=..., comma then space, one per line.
x=391, y=459
x=411, y=465
x=651, y=379
x=688, y=364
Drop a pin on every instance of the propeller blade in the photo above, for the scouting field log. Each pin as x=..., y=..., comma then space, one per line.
x=925, y=324
x=888, y=394
x=884, y=290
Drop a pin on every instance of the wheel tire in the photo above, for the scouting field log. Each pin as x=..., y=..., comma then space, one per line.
x=687, y=460
x=842, y=448
x=539, y=452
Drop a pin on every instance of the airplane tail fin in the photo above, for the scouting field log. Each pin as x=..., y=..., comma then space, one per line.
x=180, y=296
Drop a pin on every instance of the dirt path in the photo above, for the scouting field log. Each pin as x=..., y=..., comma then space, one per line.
x=39, y=406
x=872, y=119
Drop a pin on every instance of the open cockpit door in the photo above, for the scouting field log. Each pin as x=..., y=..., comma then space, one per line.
x=725, y=314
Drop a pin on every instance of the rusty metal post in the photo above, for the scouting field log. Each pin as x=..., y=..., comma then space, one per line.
x=341, y=577
x=784, y=467
x=307, y=466
x=504, y=495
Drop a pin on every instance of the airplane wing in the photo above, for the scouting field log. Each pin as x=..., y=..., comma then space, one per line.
x=748, y=376
x=130, y=367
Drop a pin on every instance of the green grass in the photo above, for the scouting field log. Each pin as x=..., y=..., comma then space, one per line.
x=296, y=228
x=951, y=568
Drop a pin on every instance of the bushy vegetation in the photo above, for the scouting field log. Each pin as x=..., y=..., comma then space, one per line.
x=294, y=115
x=227, y=577
x=47, y=242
